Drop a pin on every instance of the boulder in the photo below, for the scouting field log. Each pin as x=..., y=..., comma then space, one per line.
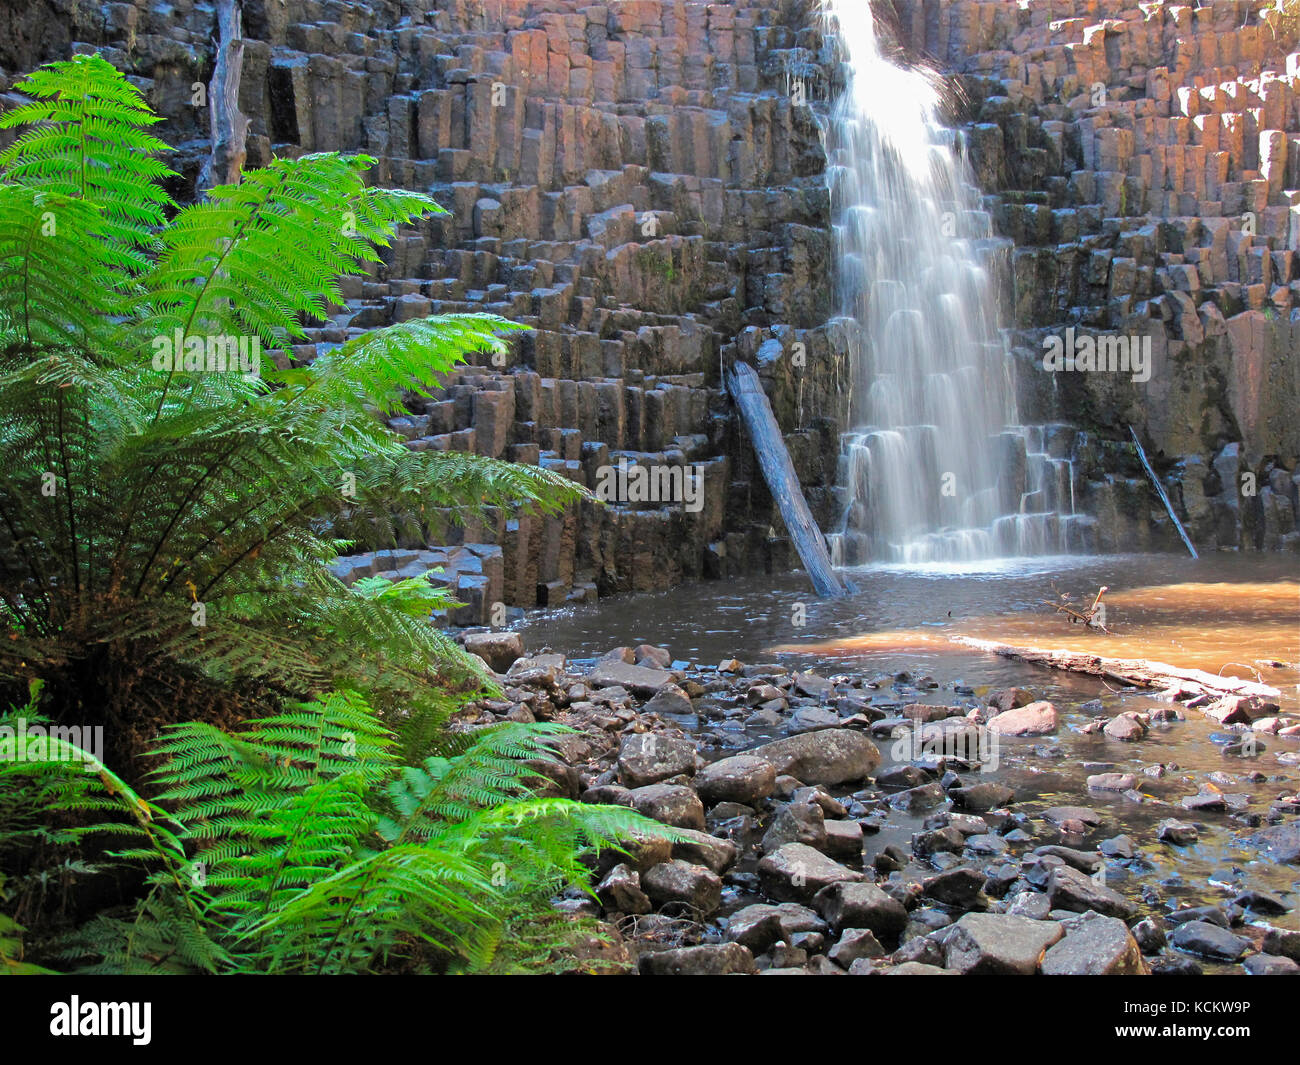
x=1095, y=946
x=796, y=872
x=1209, y=940
x=1033, y=719
x=709, y=959
x=982, y=796
x=649, y=757
x=683, y=888
x=1069, y=889
x=671, y=700
x=1125, y=727
x=854, y=944
x=998, y=944
x=671, y=804
x=961, y=888
x=760, y=925
x=860, y=905
x=621, y=890
x=1270, y=965
x=802, y=822
x=828, y=756
x=700, y=848
x=1009, y=698
x=500, y=650
x=741, y=778
x=640, y=680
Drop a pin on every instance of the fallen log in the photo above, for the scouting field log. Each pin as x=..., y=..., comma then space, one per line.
x=1136, y=672
x=782, y=481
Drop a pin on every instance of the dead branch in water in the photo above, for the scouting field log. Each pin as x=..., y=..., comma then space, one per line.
x=1089, y=617
x=1135, y=672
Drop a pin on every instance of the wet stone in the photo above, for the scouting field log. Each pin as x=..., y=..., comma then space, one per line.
x=998, y=944
x=1208, y=941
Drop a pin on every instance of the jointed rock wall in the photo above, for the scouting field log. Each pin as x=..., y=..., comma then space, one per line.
x=642, y=182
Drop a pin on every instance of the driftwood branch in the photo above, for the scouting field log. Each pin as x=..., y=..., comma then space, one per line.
x=1088, y=617
x=228, y=124
x=1135, y=672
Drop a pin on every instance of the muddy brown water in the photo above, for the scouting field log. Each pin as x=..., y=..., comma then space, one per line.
x=1234, y=614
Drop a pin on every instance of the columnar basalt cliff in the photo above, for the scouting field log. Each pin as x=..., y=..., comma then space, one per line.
x=632, y=180
x=643, y=183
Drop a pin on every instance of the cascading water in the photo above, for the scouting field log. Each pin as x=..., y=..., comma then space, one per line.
x=936, y=467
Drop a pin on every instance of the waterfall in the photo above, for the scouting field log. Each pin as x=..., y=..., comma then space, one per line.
x=936, y=467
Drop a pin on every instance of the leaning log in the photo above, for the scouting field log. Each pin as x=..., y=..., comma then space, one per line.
x=1134, y=672
x=1160, y=491
x=782, y=481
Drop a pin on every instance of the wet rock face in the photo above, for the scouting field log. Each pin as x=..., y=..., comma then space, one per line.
x=1144, y=165
x=636, y=182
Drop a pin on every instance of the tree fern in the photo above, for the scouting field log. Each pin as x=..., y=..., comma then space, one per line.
x=164, y=538
x=176, y=524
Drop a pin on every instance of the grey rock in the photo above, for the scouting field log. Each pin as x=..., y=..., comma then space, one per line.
x=998, y=944
x=621, y=890
x=701, y=848
x=796, y=823
x=649, y=757
x=1179, y=833
x=854, y=944
x=1072, y=890
x=1033, y=719
x=962, y=888
x=1209, y=941
x=1270, y=965
x=860, y=905
x=829, y=756
x=980, y=797
x=683, y=888
x=740, y=778
x=672, y=804
x=500, y=650
x=710, y=959
x=796, y=872
x=1095, y=946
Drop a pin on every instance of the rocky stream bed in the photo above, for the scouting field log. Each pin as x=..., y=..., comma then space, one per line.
x=877, y=823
